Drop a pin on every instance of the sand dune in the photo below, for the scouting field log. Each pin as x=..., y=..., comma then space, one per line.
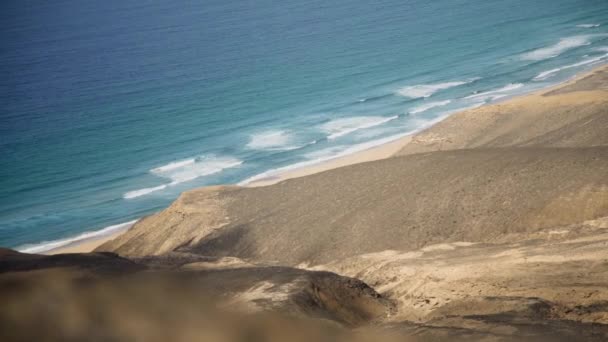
x=398, y=203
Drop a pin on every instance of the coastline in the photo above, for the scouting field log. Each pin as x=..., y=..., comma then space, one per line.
x=84, y=246
x=379, y=152
x=374, y=153
x=382, y=151
x=86, y=242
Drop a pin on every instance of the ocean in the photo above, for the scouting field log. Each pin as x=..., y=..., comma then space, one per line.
x=110, y=109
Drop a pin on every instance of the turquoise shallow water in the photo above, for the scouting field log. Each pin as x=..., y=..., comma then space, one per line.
x=110, y=109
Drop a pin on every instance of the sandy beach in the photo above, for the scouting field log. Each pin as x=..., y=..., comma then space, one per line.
x=84, y=246
x=433, y=138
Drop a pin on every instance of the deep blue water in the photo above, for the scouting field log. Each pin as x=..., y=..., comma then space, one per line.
x=109, y=109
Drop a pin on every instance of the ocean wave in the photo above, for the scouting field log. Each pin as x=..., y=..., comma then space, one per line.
x=496, y=93
x=269, y=140
x=204, y=166
x=50, y=245
x=549, y=73
x=275, y=141
x=426, y=90
x=186, y=170
x=142, y=192
x=374, y=98
x=174, y=165
x=557, y=49
x=588, y=25
x=340, y=127
x=427, y=106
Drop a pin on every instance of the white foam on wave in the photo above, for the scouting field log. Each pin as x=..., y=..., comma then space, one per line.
x=174, y=165
x=341, y=127
x=269, y=140
x=496, y=93
x=557, y=49
x=144, y=191
x=341, y=151
x=50, y=245
x=588, y=25
x=186, y=170
x=275, y=141
x=427, y=106
x=203, y=166
x=549, y=73
x=426, y=90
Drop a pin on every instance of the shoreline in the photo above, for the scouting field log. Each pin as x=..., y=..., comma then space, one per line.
x=84, y=246
x=374, y=153
x=382, y=151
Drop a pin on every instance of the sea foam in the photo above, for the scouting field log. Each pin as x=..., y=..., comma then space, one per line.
x=50, y=245
x=144, y=191
x=496, y=93
x=426, y=90
x=426, y=106
x=557, y=49
x=275, y=141
x=588, y=25
x=203, y=166
x=174, y=165
x=184, y=171
x=340, y=127
x=270, y=140
x=549, y=73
